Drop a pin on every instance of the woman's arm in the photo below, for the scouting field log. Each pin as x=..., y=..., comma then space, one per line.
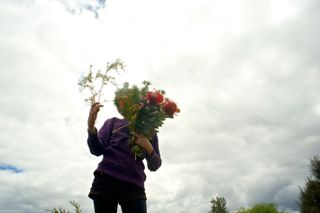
x=95, y=143
x=95, y=139
x=153, y=155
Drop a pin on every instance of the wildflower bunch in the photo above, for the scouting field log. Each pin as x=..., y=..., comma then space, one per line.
x=145, y=110
x=94, y=82
x=76, y=206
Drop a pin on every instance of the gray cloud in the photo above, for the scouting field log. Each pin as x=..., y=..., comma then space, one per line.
x=246, y=85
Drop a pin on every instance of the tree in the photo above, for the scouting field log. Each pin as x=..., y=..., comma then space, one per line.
x=261, y=208
x=310, y=196
x=315, y=168
x=218, y=205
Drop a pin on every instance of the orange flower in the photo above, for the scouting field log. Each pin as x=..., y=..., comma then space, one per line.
x=121, y=104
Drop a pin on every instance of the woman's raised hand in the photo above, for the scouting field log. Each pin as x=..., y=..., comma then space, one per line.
x=95, y=108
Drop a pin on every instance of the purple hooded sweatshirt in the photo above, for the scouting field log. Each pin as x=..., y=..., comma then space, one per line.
x=118, y=161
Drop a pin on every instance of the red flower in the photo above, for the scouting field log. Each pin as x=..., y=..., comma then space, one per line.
x=169, y=107
x=154, y=98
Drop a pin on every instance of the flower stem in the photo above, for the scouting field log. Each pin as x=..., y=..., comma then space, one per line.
x=115, y=130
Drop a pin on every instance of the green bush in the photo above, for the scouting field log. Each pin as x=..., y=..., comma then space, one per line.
x=261, y=208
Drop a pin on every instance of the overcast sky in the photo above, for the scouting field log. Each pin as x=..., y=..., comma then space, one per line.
x=245, y=74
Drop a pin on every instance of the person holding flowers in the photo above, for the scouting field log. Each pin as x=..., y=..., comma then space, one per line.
x=125, y=143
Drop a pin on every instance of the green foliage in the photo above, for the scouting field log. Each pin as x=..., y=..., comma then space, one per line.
x=310, y=196
x=218, y=205
x=93, y=83
x=128, y=99
x=75, y=205
x=261, y=208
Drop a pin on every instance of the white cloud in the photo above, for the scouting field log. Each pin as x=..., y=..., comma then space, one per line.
x=244, y=74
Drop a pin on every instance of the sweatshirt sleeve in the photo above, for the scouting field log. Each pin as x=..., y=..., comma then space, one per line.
x=97, y=142
x=154, y=160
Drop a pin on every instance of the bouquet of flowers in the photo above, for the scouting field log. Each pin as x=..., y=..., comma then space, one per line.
x=144, y=109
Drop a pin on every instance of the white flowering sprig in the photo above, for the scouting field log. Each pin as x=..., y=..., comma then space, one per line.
x=95, y=82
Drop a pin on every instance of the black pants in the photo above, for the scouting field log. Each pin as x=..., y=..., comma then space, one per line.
x=107, y=192
x=110, y=206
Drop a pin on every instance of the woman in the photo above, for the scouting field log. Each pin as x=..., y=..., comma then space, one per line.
x=120, y=177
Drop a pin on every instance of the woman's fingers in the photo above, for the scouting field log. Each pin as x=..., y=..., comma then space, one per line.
x=139, y=135
x=95, y=108
x=96, y=105
x=140, y=138
x=142, y=141
x=136, y=136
